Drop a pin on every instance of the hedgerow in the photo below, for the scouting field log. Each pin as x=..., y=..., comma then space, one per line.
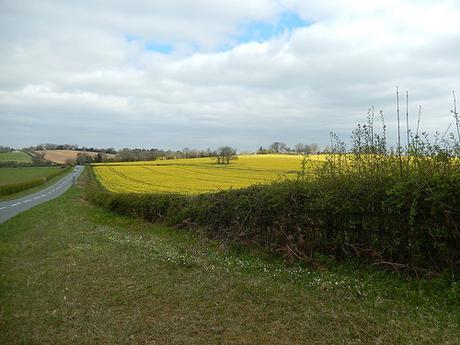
x=397, y=207
x=414, y=223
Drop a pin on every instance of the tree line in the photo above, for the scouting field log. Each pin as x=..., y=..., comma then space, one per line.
x=222, y=155
x=48, y=146
x=5, y=149
x=281, y=148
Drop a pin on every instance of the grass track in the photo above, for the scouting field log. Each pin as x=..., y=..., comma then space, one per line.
x=73, y=273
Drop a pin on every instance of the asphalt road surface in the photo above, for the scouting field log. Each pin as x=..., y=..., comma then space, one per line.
x=11, y=208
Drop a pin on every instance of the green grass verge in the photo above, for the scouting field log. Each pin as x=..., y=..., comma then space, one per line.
x=15, y=156
x=14, y=190
x=35, y=189
x=74, y=273
x=24, y=175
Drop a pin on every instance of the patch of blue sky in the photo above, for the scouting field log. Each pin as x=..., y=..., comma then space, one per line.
x=256, y=31
x=151, y=45
x=132, y=38
x=263, y=31
x=161, y=47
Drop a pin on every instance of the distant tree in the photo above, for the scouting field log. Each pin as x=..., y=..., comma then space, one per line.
x=185, y=152
x=98, y=158
x=314, y=148
x=125, y=155
x=83, y=158
x=38, y=159
x=327, y=149
x=306, y=149
x=6, y=149
x=50, y=146
x=110, y=150
x=195, y=153
x=225, y=154
x=262, y=151
x=278, y=147
x=299, y=148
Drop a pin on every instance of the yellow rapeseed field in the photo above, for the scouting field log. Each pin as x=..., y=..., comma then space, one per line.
x=198, y=175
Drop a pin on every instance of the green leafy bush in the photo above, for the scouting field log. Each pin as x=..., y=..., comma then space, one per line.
x=412, y=223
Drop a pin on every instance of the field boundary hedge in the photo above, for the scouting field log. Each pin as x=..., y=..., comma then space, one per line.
x=19, y=187
x=404, y=224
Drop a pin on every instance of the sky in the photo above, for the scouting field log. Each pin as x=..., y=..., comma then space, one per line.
x=208, y=73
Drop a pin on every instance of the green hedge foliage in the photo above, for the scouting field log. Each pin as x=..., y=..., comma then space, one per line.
x=411, y=223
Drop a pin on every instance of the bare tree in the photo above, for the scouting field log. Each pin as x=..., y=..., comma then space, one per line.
x=456, y=116
x=407, y=120
x=225, y=154
x=83, y=158
x=399, y=130
x=418, y=119
x=299, y=148
x=314, y=148
x=278, y=147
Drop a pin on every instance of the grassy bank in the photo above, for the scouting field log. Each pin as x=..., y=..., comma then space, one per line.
x=74, y=273
x=15, y=156
x=16, y=180
x=21, y=175
x=36, y=188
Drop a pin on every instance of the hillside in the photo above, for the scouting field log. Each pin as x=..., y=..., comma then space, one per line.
x=17, y=180
x=26, y=174
x=15, y=156
x=62, y=156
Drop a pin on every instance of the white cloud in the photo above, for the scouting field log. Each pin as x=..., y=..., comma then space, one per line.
x=68, y=73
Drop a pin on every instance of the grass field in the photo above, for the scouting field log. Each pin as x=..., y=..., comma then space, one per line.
x=33, y=189
x=21, y=175
x=73, y=273
x=15, y=156
x=197, y=175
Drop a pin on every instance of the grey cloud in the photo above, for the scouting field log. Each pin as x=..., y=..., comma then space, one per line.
x=69, y=74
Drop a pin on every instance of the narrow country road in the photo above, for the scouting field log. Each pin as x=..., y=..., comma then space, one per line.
x=10, y=208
